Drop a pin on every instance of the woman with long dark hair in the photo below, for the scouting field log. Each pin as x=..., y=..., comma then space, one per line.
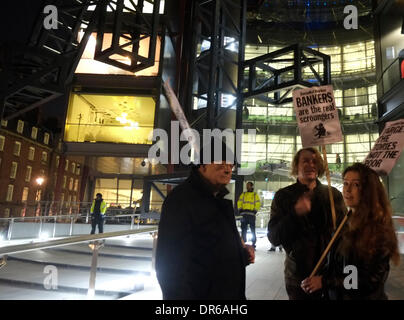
x=359, y=263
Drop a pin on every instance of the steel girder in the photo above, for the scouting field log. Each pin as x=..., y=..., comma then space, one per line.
x=38, y=72
x=217, y=27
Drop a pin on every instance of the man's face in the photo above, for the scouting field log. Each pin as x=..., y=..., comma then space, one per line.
x=250, y=187
x=307, y=168
x=218, y=174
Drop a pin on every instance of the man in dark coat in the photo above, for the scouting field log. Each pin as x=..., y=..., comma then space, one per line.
x=301, y=221
x=199, y=252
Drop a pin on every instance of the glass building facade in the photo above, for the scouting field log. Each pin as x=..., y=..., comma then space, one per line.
x=277, y=134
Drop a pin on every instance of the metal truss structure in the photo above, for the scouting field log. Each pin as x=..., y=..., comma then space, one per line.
x=129, y=26
x=40, y=71
x=280, y=72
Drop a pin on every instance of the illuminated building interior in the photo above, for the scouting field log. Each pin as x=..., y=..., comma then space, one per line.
x=109, y=118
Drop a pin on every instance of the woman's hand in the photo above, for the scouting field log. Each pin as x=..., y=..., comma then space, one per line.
x=251, y=253
x=312, y=284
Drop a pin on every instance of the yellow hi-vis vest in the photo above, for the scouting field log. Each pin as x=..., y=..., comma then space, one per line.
x=249, y=201
x=103, y=207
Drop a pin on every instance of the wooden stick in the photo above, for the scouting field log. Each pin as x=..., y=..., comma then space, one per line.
x=327, y=172
x=329, y=246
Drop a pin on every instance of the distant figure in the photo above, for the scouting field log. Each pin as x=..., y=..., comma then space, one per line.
x=246, y=113
x=248, y=205
x=98, y=209
x=338, y=161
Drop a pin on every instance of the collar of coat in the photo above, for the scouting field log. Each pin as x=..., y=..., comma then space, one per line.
x=306, y=188
x=203, y=185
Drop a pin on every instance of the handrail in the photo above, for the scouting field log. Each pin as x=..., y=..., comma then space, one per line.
x=70, y=215
x=67, y=241
x=40, y=217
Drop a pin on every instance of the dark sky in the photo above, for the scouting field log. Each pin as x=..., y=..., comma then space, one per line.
x=17, y=18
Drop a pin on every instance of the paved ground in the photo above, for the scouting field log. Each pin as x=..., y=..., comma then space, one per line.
x=124, y=272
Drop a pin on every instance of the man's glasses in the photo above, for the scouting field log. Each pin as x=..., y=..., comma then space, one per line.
x=222, y=166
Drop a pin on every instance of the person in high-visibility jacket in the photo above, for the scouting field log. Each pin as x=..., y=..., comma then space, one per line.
x=98, y=209
x=248, y=205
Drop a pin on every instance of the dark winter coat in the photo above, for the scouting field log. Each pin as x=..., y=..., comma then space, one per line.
x=303, y=237
x=199, y=252
x=364, y=280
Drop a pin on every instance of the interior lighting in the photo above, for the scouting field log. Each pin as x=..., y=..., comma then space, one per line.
x=132, y=124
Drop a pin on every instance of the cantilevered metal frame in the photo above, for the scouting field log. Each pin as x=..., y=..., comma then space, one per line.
x=40, y=71
x=130, y=25
x=264, y=78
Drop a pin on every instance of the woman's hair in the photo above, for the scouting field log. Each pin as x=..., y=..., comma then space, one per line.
x=370, y=229
x=295, y=162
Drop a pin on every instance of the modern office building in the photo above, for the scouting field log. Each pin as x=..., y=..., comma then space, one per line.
x=114, y=71
x=100, y=66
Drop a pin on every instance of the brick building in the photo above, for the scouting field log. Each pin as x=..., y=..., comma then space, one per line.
x=34, y=173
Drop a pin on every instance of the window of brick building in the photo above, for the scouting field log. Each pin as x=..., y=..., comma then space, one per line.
x=17, y=148
x=31, y=153
x=25, y=194
x=44, y=156
x=20, y=126
x=10, y=190
x=34, y=133
x=28, y=174
x=46, y=138
x=13, y=172
x=2, y=142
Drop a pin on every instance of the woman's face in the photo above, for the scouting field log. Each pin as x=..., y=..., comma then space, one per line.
x=351, y=189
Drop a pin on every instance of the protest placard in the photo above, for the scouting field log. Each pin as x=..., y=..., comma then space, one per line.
x=387, y=148
x=317, y=116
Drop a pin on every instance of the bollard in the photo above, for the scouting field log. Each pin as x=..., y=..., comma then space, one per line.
x=132, y=221
x=95, y=246
x=10, y=229
x=40, y=227
x=71, y=226
x=54, y=227
x=154, y=236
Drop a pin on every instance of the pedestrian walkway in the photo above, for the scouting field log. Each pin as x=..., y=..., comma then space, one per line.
x=125, y=272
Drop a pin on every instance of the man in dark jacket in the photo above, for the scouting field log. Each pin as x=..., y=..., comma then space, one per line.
x=301, y=221
x=199, y=252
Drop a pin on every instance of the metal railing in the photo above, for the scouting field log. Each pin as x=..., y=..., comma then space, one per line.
x=72, y=219
x=94, y=244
